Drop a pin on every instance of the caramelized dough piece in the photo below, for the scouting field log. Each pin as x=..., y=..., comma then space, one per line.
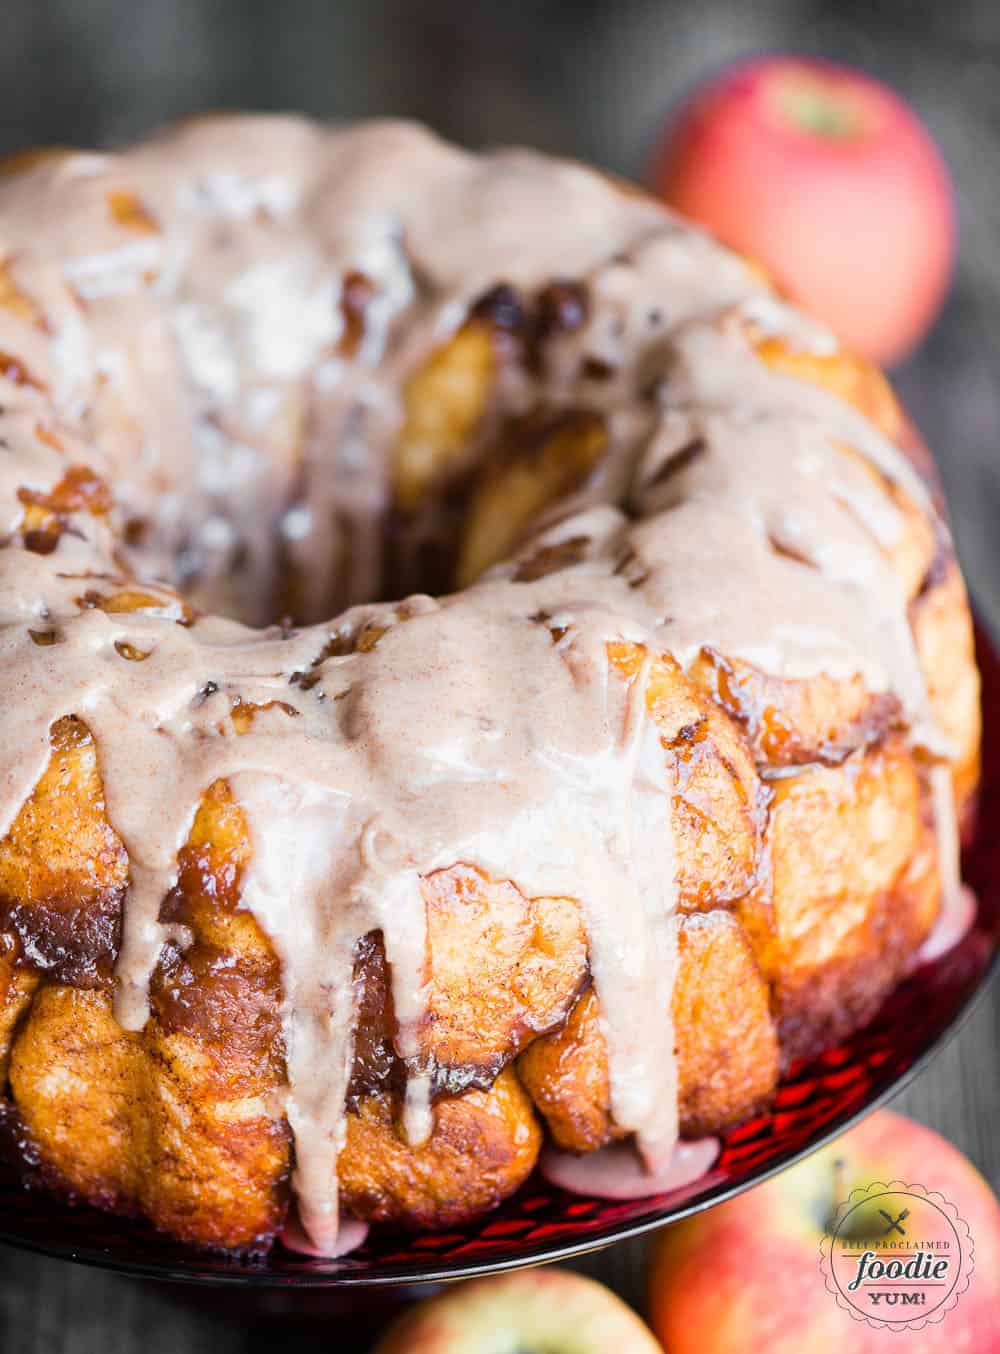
x=916, y=546
x=444, y=402
x=214, y=1042
x=727, y=1053
x=857, y=383
x=717, y=804
x=842, y=373
x=63, y=870
x=126, y=1123
x=852, y=889
x=942, y=627
x=539, y=460
x=483, y=1146
x=163, y=602
x=376, y=1065
x=179, y=1121
x=727, y=1049
x=45, y=515
x=566, y=1075
x=502, y=967
x=217, y=1175
x=17, y=986
x=834, y=931
x=795, y=722
x=81, y=1087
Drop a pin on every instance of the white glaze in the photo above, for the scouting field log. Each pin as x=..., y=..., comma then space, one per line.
x=618, y=1172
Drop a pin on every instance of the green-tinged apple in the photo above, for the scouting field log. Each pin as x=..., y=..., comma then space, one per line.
x=550, y=1310
x=746, y=1277
x=828, y=179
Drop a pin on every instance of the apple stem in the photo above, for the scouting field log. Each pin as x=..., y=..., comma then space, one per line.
x=814, y=109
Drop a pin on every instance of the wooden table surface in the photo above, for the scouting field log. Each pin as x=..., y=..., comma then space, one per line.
x=109, y=68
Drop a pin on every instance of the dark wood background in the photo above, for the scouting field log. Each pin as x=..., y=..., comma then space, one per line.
x=591, y=78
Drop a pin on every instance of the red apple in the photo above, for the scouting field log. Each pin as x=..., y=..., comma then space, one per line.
x=746, y=1277
x=544, y=1309
x=828, y=179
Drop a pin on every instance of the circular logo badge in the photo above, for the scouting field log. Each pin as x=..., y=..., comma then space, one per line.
x=897, y=1256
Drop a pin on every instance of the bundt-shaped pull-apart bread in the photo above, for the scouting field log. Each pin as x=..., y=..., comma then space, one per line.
x=353, y=913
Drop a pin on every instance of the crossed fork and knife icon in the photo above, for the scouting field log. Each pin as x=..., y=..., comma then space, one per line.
x=894, y=1223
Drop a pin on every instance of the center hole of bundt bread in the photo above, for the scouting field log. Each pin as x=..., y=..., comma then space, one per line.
x=309, y=556
x=370, y=497
x=313, y=569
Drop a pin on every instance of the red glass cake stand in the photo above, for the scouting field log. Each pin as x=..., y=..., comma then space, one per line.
x=816, y=1101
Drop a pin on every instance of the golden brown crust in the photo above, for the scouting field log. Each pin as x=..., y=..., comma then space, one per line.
x=839, y=839
x=183, y=1121
x=842, y=373
x=150, y=1122
x=17, y=986
x=566, y=1075
x=717, y=806
x=942, y=628
x=794, y=723
x=71, y=1052
x=483, y=1146
x=538, y=460
x=63, y=870
x=444, y=402
x=502, y=968
x=820, y=1000
x=727, y=1050
x=727, y=1046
